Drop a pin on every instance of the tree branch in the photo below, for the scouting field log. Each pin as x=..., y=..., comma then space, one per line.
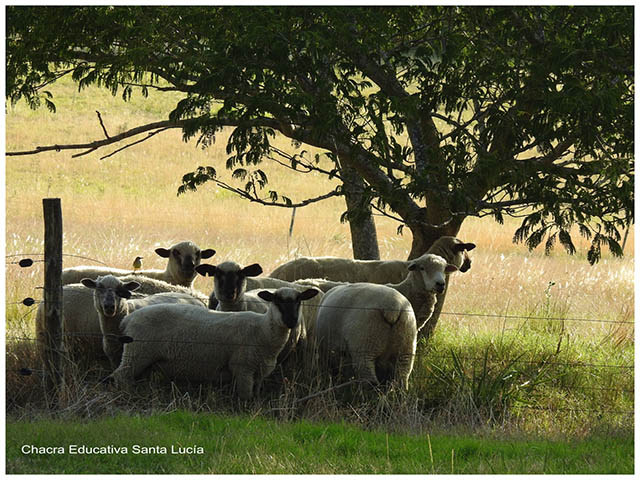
x=256, y=199
x=107, y=141
x=151, y=134
x=104, y=129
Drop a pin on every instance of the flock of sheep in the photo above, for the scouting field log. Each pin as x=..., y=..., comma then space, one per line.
x=362, y=317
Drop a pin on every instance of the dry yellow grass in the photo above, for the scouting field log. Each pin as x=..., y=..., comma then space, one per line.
x=126, y=205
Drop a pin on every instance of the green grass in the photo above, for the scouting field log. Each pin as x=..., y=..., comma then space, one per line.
x=257, y=445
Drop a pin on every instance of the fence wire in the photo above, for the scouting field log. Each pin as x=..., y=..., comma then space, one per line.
x=126, y=340
x=462, y=315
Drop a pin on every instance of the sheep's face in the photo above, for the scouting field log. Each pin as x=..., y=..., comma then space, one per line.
x=287, y=303
x=431, y=271
x=229, y=279
x=109, y=294
x=184, y=257
x=462, y=259
x=454, y=250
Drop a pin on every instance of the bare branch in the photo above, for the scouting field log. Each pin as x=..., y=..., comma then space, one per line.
x=107, y=141
x=104, y=129
x=161, y=126
x=151, y=134
x=261, y=201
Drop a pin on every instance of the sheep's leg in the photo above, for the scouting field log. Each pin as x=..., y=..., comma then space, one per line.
x=132, y=366
x=244, y=383
x=403, y=368
x=113, y=352
x=364, y=367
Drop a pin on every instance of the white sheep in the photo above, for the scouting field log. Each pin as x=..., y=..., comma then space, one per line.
x=112, y=300
x=374, y=325
x=377, y=325
x=82, y=337
x=195, y=345
x=452, y=249
x=230, y=294
x=183, y=258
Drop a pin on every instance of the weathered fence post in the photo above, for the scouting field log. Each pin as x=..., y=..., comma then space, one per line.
x=52, y=296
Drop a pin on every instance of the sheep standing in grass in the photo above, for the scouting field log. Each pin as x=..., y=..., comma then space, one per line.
x=230, y=294
x=376, y=325
x=452, y=249
x=112, y=300
x=183, y=257
x=82, y=336
x=191, y=344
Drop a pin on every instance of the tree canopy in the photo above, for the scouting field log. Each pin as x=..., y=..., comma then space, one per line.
x=443, y=112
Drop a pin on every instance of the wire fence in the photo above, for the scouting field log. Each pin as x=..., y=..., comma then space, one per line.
x=124, y=339
x=29, y=301
x=34, y=303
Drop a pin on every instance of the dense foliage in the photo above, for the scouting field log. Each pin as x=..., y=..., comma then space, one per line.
x=445, y=112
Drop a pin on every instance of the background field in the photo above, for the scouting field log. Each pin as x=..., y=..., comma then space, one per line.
x=566, y=372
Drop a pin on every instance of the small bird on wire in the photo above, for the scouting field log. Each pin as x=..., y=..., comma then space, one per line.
x=137, y=264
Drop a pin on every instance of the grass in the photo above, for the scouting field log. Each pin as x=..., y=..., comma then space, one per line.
x=253, y=445
x=528, y=345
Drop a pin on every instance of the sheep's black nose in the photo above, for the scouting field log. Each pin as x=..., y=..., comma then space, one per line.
x=440, y=287
x=188, y=264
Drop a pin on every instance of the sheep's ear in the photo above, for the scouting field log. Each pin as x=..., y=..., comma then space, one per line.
x=307, y=294
x=124, y=290
x=464, y=246
x=89, y=283
x=412, y=266
x=131, y=286
x=266, y=295
x=163, y=252
x=206, y=270
x=123, y=293
x=251, y=270
x=208, y=253
x=450, y=268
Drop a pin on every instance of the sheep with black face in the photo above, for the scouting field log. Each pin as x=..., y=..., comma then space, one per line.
x=246, y=344
x=183, y=258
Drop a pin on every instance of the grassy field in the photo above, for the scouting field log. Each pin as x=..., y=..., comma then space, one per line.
x=253, y=445
x=528, y=345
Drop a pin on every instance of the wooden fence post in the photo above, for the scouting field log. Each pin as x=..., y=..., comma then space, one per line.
x=52, y=296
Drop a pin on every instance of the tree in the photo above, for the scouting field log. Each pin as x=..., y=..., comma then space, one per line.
x=429, y=114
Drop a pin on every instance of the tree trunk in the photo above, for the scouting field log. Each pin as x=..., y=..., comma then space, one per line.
x=364, y=238
x=423, y=238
